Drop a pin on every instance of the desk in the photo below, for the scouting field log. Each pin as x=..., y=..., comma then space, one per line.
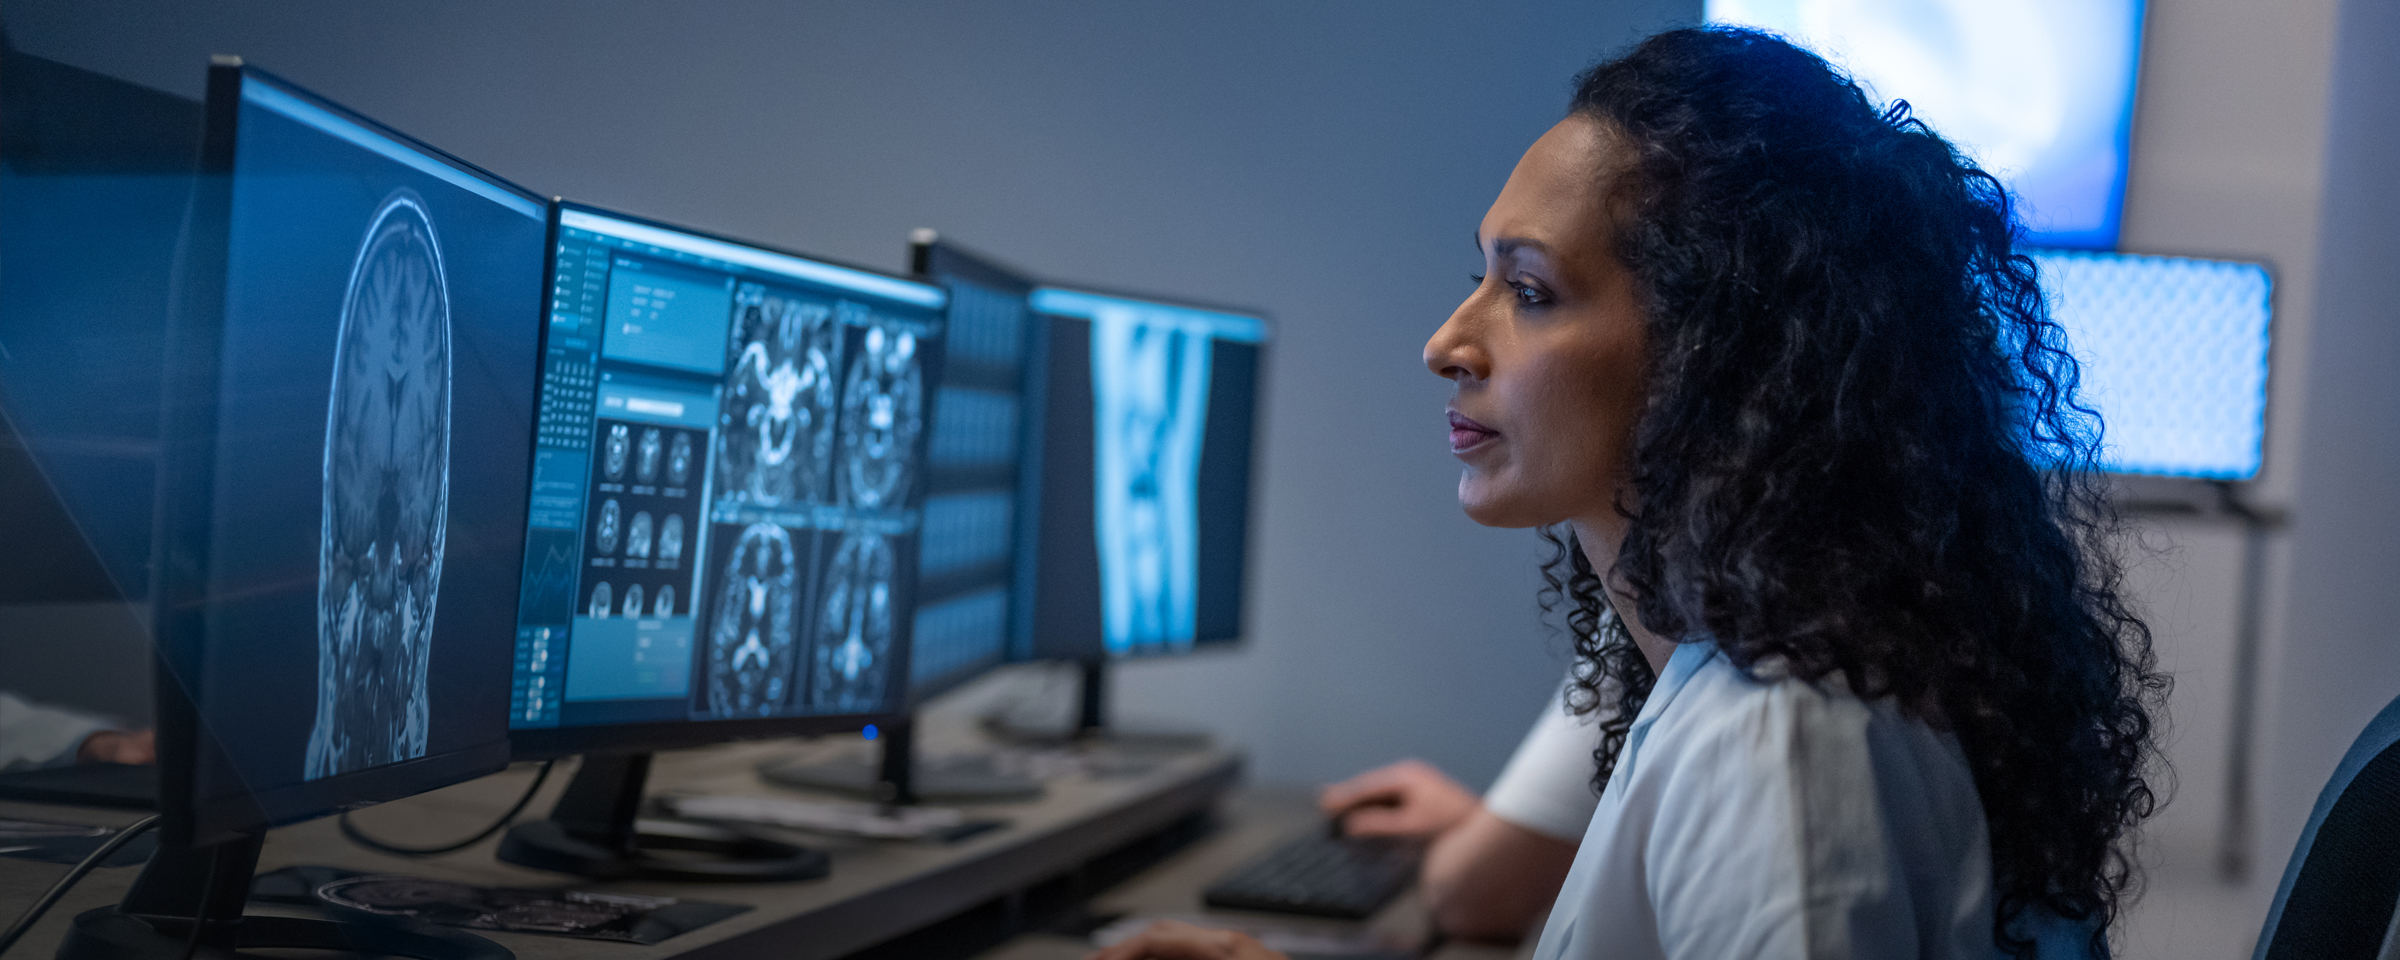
x=878, y=890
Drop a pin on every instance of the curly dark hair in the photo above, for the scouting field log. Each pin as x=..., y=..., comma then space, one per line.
x=1862, y=453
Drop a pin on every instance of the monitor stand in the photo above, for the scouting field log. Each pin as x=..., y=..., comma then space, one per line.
x=1091, y=723
x=901, y=778
x=595, y=831
x=185, y=886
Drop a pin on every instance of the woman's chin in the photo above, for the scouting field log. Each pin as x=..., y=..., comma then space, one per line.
x=1493, y=507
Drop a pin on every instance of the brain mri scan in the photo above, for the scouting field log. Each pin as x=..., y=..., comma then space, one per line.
x=610, y=526
x=679, y=459
x=615, y=450
x=633, y=601
x=665, y=606
x=1150, y=392
x=387, y=497
x=670, y=538
x=645, y=457
x=854, y=626
x=883, y=403
x=775, y=429
x=637, y=535
x=752, y=637
x=603, y=602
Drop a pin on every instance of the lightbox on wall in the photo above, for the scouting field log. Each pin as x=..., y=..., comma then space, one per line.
x=2039, y=92
x=2173, y=353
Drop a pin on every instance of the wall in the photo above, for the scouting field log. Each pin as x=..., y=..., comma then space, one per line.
x=1325, y=163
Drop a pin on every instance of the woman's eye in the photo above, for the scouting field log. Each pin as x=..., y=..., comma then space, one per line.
x=1528, y=294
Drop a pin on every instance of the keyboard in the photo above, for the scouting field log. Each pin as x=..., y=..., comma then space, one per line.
x=1347, y=878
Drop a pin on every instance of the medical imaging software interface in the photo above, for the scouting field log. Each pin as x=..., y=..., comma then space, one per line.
x=381, y=328
x=1172, y=393
x=727, y=485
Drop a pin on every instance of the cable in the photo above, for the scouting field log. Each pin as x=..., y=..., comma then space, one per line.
x=360, y=837
x=60, y=888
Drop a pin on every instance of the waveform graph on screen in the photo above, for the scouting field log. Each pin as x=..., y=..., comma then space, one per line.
x=387, y=495
x=550, y=574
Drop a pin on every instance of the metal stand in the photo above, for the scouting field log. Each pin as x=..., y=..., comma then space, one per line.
x=188, y=903
x=900, y=778
x=595, y=831
x=2233, y=840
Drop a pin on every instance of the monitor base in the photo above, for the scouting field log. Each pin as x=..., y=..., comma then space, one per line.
x=594, y=832
x=110, y=933
x=663, y=850
x=188, y=902
x=961, y=780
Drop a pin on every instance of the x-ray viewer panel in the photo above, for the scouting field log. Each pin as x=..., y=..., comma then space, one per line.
x=666, y=315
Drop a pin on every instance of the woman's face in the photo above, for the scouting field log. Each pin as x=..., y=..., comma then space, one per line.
x=1547, y=353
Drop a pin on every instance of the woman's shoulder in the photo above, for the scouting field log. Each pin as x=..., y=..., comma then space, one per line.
x=1766, y=716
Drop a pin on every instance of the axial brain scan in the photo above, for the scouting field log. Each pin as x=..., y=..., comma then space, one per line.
x=854, y=627
x=670, y=539
x=603, y=602
x=619, y=443
x=387, y=497
x=883, y=402
x=637, y=535
x=610, y=526
x=752, y=636
x=775, y=430
x=679, y=459
x=665, y=606
x=645, y=460
x=633, y=600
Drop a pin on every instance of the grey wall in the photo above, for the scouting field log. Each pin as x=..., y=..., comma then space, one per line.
x=2341, y=659
x=1326, y=162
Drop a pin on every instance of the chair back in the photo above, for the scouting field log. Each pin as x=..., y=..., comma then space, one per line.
x=2339, y=894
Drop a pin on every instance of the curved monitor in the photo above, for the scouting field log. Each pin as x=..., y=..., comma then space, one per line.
x=728, y=491
x=1143, y=508
x=351, y=381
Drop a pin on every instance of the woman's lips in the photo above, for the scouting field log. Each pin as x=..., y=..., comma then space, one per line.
x=1466, y=434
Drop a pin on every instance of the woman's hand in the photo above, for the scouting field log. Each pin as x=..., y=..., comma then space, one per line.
x=1406, y=799
x=118, y=746
x=1176, y=940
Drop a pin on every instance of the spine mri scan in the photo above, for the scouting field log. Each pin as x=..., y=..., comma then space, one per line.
x=387, y=490
x=1150, y=385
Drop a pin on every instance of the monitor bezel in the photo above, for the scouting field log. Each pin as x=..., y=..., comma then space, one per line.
x=1260, y=407
x=185, y=505
x=545, y=743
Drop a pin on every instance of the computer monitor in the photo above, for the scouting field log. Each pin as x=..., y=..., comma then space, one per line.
x=2173, y=353
x=342, y=492
x=729, y=487
x=2040, y=92
x=1143, y=507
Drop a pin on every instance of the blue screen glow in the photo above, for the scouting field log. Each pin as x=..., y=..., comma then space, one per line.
x=2040, y=92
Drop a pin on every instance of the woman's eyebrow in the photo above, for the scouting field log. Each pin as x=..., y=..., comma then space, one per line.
x=1508, y=245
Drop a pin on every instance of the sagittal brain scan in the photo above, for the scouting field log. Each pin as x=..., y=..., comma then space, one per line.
x=387, y=497
x=775, y=429
x=620, y=443
x=637, y=535
x=670, y=539
x=753, y=638
x=883, y=406
x=854, y=625
x=1150, y=392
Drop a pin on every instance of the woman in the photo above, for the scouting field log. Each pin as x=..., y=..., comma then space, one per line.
x=1761, y=360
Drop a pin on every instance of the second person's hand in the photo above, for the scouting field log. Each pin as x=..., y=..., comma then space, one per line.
x=1407, y=799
